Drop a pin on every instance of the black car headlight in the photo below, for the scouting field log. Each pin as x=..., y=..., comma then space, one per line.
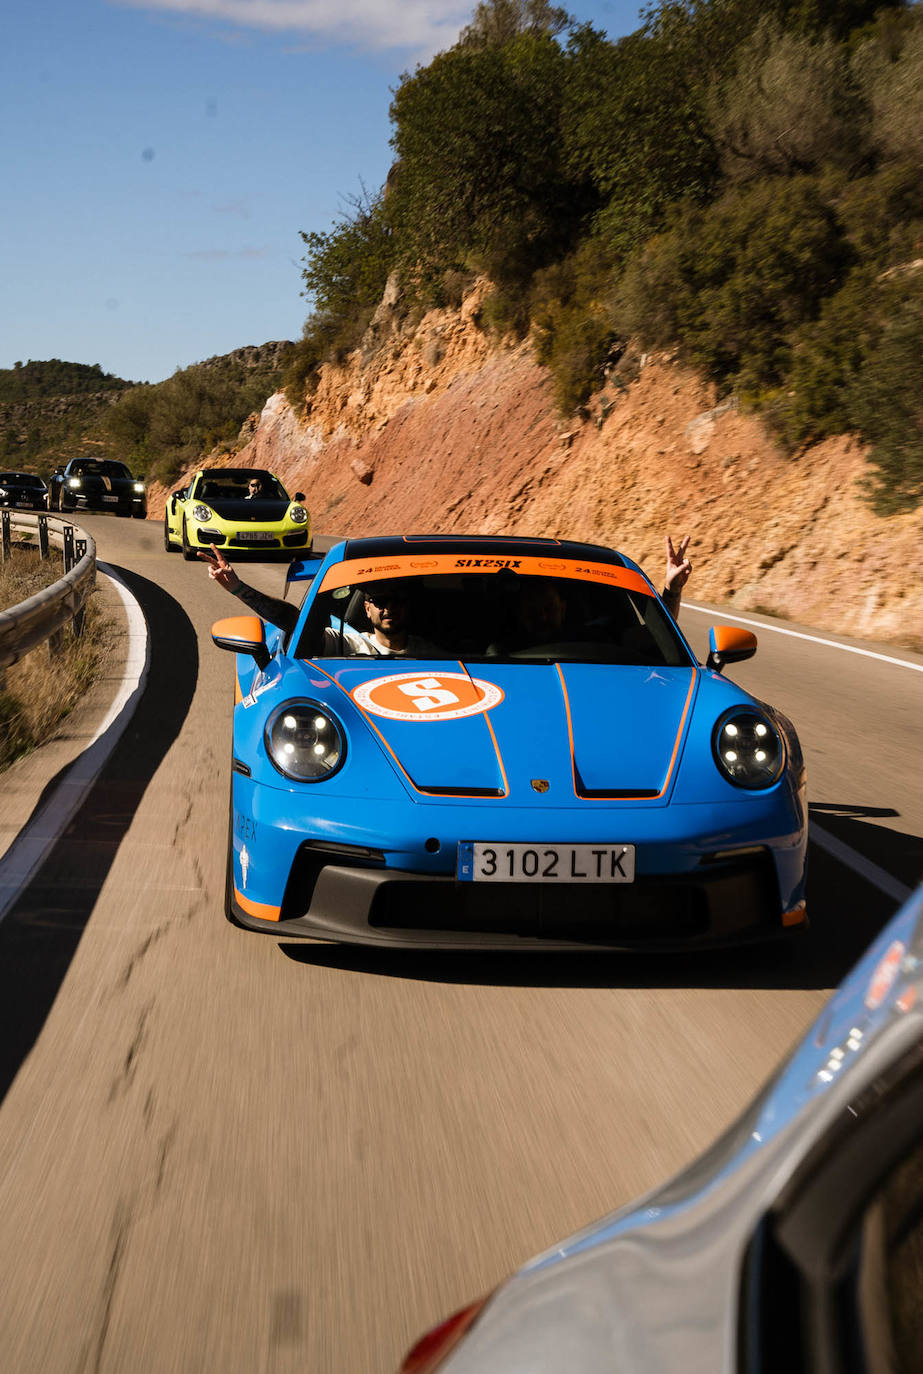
x=74, y=482
x=201, y=512
x=304, y=741
x=748, y=748
x=298, y=514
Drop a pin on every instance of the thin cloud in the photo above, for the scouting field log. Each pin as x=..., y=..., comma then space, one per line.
x=423, y=25
x=227, y=254
x=238, y=208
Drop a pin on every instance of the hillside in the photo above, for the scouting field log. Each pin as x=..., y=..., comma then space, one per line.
x=433, y=428
x=53, y=410
x=50, y=410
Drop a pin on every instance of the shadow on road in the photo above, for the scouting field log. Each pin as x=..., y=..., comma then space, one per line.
x=846, y=912
x=40, y=934
x=897, y=853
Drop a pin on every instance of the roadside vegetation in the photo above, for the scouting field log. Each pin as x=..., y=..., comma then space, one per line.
x=739, y=182
x=43, y=687
x=52, y=411
x=161, y=428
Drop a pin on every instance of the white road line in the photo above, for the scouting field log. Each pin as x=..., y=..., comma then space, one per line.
x=33, y=843
x=864, y=867
x=837, y=849
x=722, y=616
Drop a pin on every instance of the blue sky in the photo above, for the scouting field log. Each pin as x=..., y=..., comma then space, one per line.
x=161, y=156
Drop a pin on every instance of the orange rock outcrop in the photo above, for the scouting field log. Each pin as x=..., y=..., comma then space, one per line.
x=439, y=429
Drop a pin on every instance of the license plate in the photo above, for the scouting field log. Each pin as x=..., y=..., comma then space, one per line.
x=23, y=505
x=480, y=862
x=110, y=498
x=256, y=536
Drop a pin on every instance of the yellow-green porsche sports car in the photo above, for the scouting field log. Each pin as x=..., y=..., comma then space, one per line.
x=235, y=508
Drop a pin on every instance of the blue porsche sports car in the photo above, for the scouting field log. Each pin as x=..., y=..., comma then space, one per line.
x=503, y=742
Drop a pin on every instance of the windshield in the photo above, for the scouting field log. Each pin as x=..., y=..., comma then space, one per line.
x=494, y=615
x=21, y=479
x=239, y=486
x=99, y=467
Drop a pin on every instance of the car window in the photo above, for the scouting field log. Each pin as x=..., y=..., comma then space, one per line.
x=890, y=1283
x=508, y=617
x=22, y=479
x=224, y=486
x=100, y=467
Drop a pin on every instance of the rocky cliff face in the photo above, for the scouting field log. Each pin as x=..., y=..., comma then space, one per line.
x=436, y=429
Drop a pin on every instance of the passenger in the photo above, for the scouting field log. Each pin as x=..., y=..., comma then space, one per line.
x=677, y=575
x=542, y=609
x=254, y=489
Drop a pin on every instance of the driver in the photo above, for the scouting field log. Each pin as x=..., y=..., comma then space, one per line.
x=387, y=608
x=386, y=604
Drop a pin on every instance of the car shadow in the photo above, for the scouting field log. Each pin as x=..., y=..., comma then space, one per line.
x=41, y=932
x=846, y=912
x=898, y=853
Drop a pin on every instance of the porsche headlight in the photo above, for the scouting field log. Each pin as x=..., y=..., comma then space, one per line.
x=304, y=741
x=298, y=514
x=201, y=512
x=748, y=748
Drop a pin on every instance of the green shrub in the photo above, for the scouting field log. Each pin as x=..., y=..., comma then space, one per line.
x=164, y=427
x=882, y=213
x=886, y=399
x=827, y=355
x=572, y=322
x=634, y=129
x=888, y=68
x=788, y=108
x=730, y=283
x=345, y=272
x=479, y=180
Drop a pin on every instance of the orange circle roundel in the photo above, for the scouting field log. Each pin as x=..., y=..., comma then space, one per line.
x=426, y=696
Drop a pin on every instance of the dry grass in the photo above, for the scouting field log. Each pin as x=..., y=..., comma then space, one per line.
x=24, y=574
x=41, y=689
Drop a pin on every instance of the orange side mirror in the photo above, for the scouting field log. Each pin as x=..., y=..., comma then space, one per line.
x=729, y=644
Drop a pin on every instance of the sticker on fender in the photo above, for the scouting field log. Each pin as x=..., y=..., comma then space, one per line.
x=426, y=696
x=535, y=863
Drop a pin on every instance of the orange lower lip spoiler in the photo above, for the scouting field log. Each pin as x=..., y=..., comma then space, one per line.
x=258, y=909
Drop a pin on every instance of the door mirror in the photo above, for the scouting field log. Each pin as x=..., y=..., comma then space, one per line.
x=243, y=634
x=299, y=496
x=728, y=644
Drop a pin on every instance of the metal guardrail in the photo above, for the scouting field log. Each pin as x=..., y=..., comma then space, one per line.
x=29, y=624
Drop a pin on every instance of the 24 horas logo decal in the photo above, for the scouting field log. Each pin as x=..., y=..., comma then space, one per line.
x=426, y=696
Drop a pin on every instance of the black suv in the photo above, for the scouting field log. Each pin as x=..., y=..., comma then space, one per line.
x=23, y=491
x=97, y=484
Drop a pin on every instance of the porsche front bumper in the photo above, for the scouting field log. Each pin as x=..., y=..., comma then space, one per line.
x=725, y=884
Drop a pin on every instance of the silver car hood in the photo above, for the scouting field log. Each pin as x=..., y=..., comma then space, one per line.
x=653, y=1288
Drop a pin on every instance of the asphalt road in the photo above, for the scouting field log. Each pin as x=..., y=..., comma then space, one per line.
x=226, y=1152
